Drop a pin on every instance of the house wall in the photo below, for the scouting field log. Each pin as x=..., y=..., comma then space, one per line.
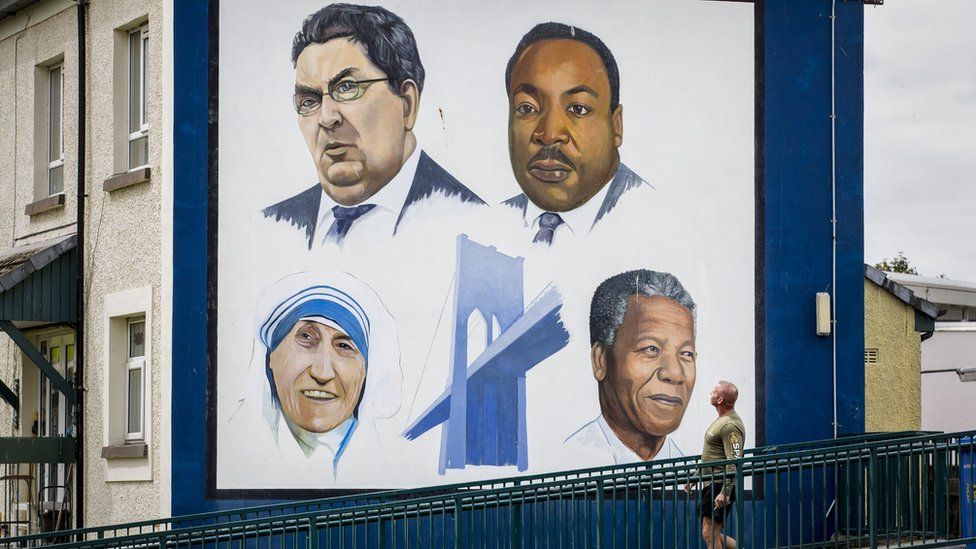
x=949, y=404
x=123, y=254
x=892, y=387
x=123, y=228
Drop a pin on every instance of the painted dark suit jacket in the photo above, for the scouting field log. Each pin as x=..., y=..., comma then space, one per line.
x=302, y=210
x=623, y=180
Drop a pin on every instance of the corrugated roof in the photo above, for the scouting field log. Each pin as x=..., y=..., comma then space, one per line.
x=934, y=282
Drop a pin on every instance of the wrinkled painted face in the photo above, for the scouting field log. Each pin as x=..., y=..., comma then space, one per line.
x=651, y=367
x=319, y=374
x=357, y=145
x=562, y=136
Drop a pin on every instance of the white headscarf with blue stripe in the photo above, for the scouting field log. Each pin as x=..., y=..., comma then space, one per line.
x=345, y=303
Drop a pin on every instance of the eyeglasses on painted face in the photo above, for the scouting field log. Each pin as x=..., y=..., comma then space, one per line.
x=308, y=102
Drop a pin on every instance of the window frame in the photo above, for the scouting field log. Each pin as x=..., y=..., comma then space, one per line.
x=143, y=130
x=135, y=363
x=55, y=163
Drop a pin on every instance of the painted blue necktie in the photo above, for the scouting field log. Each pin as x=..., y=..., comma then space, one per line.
x=548, y=223
x=344, y=218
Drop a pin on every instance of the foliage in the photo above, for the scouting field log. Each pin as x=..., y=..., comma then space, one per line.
x=899, y=264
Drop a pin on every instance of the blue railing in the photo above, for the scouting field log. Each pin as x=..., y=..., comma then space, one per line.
x=838, y=493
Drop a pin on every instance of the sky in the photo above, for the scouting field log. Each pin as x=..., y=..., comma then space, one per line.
x=920, y=135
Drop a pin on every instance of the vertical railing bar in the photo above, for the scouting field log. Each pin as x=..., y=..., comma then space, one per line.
x=872, y=499
x=599, y=513
x=740, y=511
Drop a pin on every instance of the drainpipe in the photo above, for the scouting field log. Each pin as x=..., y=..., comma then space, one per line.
x=833, y=204
x=80, y=279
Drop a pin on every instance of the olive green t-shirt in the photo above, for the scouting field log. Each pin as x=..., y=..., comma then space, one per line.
x=724, y=439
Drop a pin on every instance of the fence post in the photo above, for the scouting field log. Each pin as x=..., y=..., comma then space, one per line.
x=599, y=512
x=458, y=541
x=646, y=529
x=516, y=520
x=873, y=497
x=313, y=534
x=740, y=507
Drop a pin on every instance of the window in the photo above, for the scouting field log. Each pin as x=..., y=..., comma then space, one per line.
x=134, y=389
x=138, y=127
x=127, y=403
x=55, y=131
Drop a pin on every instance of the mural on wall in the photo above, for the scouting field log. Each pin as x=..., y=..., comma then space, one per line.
x=483, y=408
x=411, y=329
x=564, y=128
x=369, y=167
x=325, y=363
x=642, y=332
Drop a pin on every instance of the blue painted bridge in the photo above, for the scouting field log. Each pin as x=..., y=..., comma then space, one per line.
x=483, y=406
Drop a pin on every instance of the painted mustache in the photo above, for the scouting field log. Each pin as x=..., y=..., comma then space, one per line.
x=550, y=154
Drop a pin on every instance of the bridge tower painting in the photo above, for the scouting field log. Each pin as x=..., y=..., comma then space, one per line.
x=483, y=407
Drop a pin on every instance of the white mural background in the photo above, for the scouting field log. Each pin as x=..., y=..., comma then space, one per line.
x=687, y=85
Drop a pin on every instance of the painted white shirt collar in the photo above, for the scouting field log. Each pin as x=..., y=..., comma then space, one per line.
x=623, y=454
x=577, y=221
x=311, y=443
x=389, y=201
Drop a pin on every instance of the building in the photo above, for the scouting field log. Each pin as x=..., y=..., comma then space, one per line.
x=139, y=101
x=81, y=99
x=949, y=357
x=896, y=323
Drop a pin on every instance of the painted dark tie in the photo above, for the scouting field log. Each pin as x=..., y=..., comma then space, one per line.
x=344, y=218
x=548, y=223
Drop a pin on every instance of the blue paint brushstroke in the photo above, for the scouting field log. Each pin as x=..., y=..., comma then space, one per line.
x=483, y=407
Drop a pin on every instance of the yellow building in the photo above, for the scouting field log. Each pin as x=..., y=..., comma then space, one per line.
x=896, y=321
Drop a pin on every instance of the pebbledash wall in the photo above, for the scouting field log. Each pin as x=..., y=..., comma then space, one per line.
x=893, y=377
x=808, y=172
x=125, y=228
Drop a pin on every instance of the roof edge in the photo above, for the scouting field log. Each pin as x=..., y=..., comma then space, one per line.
x=880, y=278
x=37, y=261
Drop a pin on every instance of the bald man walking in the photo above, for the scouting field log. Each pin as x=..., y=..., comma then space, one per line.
x=724, y=439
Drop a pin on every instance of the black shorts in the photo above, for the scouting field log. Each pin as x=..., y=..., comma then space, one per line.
x=706, y=505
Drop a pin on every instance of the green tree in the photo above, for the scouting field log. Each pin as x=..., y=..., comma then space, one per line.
x=900, y=264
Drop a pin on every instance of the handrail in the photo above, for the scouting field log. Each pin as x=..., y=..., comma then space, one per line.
x=648, y=478
x=764, y=461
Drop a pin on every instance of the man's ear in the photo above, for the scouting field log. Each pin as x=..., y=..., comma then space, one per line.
x=618, y=126
x=410, y=95
x=598, y=358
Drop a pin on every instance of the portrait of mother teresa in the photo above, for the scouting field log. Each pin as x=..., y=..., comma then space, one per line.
x=325, y=365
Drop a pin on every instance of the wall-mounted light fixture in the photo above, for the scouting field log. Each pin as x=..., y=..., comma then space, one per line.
x=965, y=374
x=823, y=314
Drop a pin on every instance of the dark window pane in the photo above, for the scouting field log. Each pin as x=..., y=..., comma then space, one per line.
x=145, y=81
x=55, y=180
x=135, y=75
x=137, y=339
x=135, y=402
x=138, y=152
x=54, y=115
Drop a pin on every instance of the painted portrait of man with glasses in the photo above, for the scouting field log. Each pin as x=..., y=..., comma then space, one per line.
x=358, y=82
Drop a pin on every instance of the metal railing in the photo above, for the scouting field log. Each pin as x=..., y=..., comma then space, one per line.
x=825, y=494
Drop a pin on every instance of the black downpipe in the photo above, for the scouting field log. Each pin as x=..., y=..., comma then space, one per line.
x=80, y=279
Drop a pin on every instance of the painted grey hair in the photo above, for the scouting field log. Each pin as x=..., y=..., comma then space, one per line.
x=609, y=303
